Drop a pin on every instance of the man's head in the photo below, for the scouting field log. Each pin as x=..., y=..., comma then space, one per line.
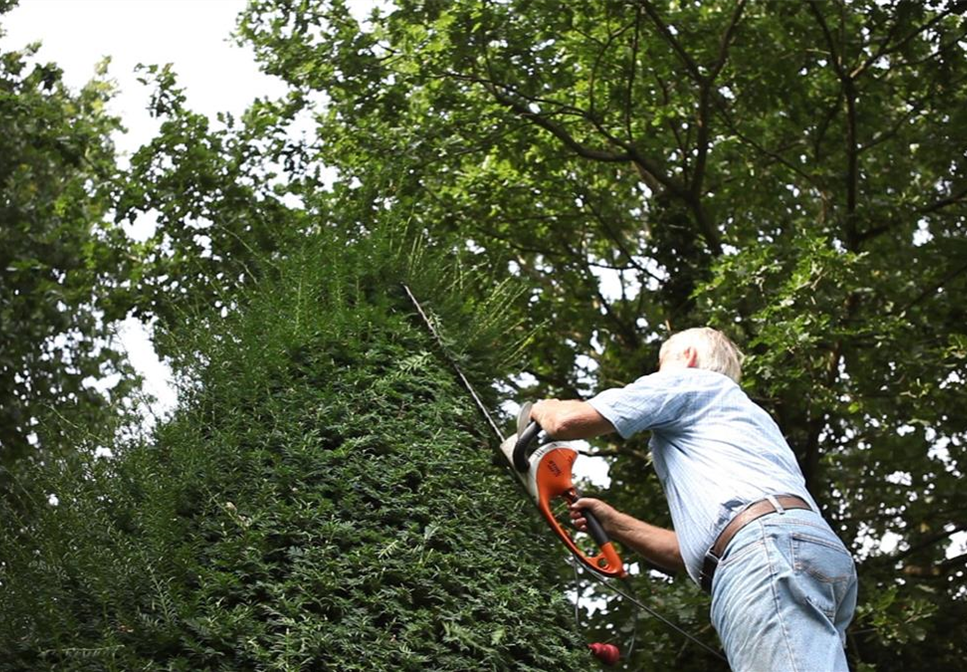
x=701, y=348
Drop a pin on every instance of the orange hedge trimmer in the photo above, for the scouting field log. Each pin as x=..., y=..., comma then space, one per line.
x=546, y=475
x=544, y=469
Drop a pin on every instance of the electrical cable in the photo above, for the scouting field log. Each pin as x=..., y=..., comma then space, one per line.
x=630, y=648
x=633, y=600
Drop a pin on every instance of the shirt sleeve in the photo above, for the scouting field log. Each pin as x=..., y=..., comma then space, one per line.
x=656, y=401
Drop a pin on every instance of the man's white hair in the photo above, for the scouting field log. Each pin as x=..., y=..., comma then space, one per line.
x=714, y=351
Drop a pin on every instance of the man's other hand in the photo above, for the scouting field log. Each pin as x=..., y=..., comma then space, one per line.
x=605, y=513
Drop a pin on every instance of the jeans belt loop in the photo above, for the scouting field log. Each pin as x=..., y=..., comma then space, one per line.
x=709, y=564
x=775, y=503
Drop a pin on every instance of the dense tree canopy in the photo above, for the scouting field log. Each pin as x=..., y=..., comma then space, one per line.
x=58, y=266
x=791, y=172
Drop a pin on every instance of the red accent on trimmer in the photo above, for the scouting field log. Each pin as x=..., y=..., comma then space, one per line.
x=606, y=653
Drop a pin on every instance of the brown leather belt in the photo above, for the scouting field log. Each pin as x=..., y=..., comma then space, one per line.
x=756, y=510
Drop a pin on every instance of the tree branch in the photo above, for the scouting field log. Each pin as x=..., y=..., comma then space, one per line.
x=628, y=332
x=613, y=236
x=830, y=41
x=953, y=199
x=887, y=49
x=680, y=143
x=930, y=291
x=924, y=544
x=651, y=173
x=632, y=74
x=880, y=52
x=932, y=55
x=690, y=65
x=852, y=152
x=824, y=126
x=617, y=451
x=704, y=125
x=772, y=154
x=612, y=36
x=558, y=131
x=852, y=164
x=726, y=41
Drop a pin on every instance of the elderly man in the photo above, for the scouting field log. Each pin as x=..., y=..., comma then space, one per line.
x=746, y=530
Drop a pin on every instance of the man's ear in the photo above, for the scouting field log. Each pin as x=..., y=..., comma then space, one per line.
x=690, y=357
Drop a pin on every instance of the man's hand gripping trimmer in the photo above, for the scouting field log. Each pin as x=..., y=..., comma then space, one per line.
x=545, y=472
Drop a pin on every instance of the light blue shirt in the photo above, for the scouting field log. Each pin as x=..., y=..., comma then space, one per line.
x=714, y=450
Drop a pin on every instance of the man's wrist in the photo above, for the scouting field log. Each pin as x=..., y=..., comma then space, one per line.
x=616, y=524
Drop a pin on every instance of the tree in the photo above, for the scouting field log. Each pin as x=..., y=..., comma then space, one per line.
x=59, y=261
x=324, y=498
x=218, y=201
x=791, y=172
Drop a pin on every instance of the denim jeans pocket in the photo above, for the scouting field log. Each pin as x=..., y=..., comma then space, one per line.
x=828, y=568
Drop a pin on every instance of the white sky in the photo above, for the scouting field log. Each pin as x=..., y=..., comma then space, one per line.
x=193, y=35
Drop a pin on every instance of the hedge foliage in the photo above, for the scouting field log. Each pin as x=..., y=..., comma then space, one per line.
x=324, y=499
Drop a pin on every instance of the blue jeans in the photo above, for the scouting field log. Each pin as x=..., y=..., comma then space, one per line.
x=783, y=594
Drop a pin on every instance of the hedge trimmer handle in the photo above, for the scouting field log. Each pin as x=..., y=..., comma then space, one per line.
x=595, y=528
x=524, y=441
x=548, y=475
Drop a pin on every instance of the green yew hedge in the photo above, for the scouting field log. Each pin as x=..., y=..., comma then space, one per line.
x=325, y=498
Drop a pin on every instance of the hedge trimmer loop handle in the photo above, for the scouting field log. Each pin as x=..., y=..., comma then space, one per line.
x=522, y=448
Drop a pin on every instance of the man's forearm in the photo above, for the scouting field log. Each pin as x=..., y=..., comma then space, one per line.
x=572, y=419
x=657, y=545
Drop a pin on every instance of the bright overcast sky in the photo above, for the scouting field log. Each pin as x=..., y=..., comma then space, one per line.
x=193, y=35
